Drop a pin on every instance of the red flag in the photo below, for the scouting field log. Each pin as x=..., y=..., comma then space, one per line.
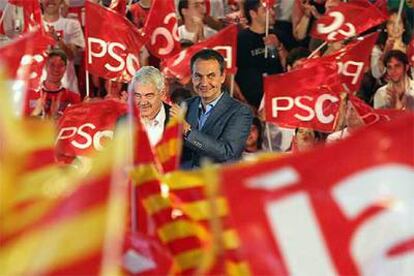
x=113, y=44
x=410, y=52
x=84, y=128
x=352, y=60
x=161, y=29
x=119, y=6
x=304, y=97
x=347, y=20
x=337, y=210
x=27, y=62
x=224, y=41
x=369, y=115
x=31, y=13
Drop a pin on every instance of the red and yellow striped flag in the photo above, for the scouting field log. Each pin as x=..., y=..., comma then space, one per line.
x=56, y=220
x=168, y=150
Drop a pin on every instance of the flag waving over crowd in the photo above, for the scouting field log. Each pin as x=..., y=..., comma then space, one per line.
x=302, y=221
x=347, y=20
x=305, y=97
x=161, y=29
x=224, y=41
x=28, y=62
x=113, y=44
x=352, y=60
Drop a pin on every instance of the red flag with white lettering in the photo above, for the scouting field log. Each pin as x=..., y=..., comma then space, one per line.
x=352, y=60
x=306, y=97
x=347, y=20
x=224, y=41
x=113, y=44
x=84, y=128
x=161, y=29
x=336, y=210
x=25, y=57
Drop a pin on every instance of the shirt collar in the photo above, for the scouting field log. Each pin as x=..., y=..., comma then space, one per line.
x=159, y=118
x=210, y=105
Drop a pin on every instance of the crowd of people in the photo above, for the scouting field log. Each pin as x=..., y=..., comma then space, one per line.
x=220, y=125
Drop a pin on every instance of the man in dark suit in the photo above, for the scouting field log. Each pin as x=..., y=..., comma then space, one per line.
x=148, y=88
x=216, y=125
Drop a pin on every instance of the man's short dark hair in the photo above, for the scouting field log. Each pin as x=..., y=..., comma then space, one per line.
x=208, y=54
x=59, y=53
x=182, y=4
x=248, y=6
x=400, y=56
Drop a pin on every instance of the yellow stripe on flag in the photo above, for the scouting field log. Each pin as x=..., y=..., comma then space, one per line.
x=156, y=203
x=183, y=180
x=55, y=245
x=144, y=173
x=21, y=218
x=231, y=239
x=167, y=150
x=182, y=229
x=237, y=268
x=190, y=259
x=201, y=209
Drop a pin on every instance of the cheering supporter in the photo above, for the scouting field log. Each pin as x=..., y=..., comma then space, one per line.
x=254, y=140
x=251, y=60
x=216, y=125
x=398, y=93
x=148, y=88
x=68, y=36
x=52, y=98
x=304, y=14
x=193, y=12
x=394, y=36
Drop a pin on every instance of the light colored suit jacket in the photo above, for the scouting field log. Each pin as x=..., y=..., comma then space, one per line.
x=223, y=136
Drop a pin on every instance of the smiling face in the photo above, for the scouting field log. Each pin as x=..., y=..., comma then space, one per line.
x=207, y=79
x=148, y=100
x=55, y=69
x=396, y=70
x=51, y=6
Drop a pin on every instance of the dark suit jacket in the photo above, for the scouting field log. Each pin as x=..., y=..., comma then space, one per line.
x=223, y=135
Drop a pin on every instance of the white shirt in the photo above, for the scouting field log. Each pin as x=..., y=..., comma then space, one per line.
x=183, y=33
x=71, y=33
x=380, y=97
x=155, y=127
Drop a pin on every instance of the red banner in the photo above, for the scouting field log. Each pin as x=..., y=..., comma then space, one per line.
x=304, y=97
x=161, y=29
x=113, y=44
x=224, y=41
x=369, y=115
x=337, y=210
x=32, y=15
x=25, y=57
x=84, y=127
x=352, y=60
x=347, y=20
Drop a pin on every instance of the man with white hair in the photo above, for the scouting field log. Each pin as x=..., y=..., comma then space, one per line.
x=148, y=89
